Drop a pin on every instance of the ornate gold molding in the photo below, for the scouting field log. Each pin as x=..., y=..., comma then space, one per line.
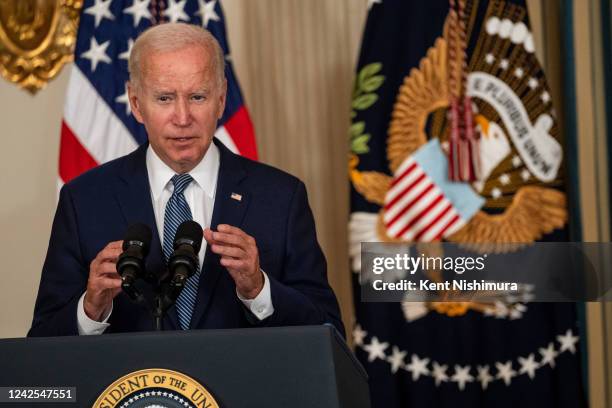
x=36, y=38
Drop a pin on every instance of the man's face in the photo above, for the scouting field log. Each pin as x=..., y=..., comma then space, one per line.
x=179, y=102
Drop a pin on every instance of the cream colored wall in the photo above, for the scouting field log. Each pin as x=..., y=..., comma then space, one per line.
x=29, y=140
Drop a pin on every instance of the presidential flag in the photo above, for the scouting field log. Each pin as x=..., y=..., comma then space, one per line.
x=98, y=125
x=454, y=138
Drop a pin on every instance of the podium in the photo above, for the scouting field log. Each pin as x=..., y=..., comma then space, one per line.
x=305, y=366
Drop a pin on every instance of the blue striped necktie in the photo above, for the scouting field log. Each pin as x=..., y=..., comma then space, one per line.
x=177, y=211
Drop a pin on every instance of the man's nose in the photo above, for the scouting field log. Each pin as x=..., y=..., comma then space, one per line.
x=182, y=114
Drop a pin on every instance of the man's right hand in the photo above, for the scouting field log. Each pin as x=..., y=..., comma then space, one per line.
x=104, y=282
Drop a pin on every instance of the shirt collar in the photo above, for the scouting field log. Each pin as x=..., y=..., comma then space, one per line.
x=205, y=173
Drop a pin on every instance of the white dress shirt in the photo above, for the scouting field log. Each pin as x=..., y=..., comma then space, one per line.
x=200, y=195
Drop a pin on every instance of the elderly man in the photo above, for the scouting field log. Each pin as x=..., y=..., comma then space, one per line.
x=260, y=264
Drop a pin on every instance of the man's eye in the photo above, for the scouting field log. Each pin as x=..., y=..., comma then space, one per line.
x=163, y=98
x=198, y=98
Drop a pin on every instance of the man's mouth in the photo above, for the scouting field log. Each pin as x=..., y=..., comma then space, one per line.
x=182, y=139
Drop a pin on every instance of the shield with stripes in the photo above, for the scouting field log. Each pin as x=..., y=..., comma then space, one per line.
x=422, y=204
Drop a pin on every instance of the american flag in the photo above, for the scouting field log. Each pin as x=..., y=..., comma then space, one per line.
x=98, y=125
x=422, y=204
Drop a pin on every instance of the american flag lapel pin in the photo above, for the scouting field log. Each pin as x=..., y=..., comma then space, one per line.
x=236, y=196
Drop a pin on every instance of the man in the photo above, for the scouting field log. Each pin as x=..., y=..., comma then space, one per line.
x=260, y=264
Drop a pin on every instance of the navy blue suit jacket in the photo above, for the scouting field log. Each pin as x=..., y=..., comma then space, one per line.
x=97, y=207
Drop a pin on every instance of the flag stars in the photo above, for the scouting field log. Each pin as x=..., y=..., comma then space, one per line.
x=545, y=97
x=505, y=372
x=417, y=367
x=439, y=373
x=176, y=11
x=516, y=161
x=568, y=341
x=525, y=175
x=396, y=359
x=462, y=376
x=376, y=349
x=515, y=314
x=519, y=73
x=489, y=58
x=139, y=10
x=358, y=335
x=496, y=193
x=489, y=311
x=97, y=53
x=126, y=54
x=549, y=354
x=100, y=10
x=484, y=377
x=532, y=83
x=504, y=64
x=528, y=365
x=504, y=179
x=501, y=310
x=207, y=11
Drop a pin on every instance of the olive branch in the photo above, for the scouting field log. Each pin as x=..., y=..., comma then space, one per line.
x=364, y=96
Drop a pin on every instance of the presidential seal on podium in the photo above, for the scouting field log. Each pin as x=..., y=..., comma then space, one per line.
x=156, y=388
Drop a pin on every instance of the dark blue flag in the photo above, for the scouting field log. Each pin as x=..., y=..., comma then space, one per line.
x=455, y=88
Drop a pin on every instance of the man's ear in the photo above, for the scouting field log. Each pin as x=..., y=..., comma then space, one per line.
x=134, y=102
x=223, y=98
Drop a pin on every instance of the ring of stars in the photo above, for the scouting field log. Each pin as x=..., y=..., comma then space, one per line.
x=164, y=394
x=464, y=375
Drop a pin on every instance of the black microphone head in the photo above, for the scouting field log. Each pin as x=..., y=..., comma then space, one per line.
x=190, y=233
x=138, y=234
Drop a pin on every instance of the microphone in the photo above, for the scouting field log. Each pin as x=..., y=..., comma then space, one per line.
x=130, y=264
x=184, y=262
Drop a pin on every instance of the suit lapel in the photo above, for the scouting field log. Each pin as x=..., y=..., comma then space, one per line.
x=134, y=196
x=231, y=202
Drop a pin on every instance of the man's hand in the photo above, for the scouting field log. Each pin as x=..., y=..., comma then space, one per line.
x=239, y=255
x=104, y=282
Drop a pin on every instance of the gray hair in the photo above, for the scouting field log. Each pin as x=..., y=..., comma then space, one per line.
x=172, y=37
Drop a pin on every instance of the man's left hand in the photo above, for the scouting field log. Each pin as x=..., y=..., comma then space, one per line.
x=239, y=255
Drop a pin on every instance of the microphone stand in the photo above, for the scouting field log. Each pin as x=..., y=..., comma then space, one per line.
x=167, y=289
x=166, y=296
x=158, y=308
x=158, y=313
x=162, y=302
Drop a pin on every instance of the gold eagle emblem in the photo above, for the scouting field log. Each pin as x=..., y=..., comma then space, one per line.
x=531, y=209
